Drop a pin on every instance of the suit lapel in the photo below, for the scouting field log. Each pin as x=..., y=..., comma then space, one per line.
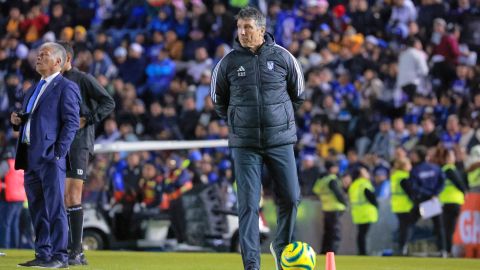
x=47, y=91
x=27, y=97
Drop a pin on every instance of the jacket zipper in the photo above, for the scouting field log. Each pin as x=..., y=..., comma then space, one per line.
x=260, y=98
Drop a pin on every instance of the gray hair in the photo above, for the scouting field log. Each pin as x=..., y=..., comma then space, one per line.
x=57, y=51
x=252, y=13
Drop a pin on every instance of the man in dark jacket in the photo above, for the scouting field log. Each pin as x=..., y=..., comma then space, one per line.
x=257, y=87
x=426, y=182
x=96, y=105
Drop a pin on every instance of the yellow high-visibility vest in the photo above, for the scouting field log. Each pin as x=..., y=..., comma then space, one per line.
x=362, y=210
x=474, y=178
x=400, y=201
x=450, y=193
x=327, y=197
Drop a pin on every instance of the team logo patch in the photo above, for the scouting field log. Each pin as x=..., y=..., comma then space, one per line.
x=270, y=65
x=79, y=171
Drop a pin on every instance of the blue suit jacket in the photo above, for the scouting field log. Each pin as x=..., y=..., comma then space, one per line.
x=53, y=124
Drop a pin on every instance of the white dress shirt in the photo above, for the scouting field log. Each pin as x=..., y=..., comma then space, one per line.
x=48, y=80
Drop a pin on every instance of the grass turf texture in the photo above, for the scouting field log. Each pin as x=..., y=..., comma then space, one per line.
x=106, y=260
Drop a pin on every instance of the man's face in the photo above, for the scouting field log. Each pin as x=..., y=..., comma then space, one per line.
x=47, y=63
x=250, y=34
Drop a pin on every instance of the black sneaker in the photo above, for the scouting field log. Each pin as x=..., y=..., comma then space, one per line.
x=53, y=264
x=33, y=263
x=77, y=259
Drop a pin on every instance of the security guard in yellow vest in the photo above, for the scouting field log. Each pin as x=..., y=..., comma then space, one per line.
x=328, y=189
x=473, y=169
x=453, y=194
x=364, y=205
x=400, y=201
x=473, y=176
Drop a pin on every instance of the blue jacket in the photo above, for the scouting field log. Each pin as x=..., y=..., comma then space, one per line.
x=427, y=180
x=54, y=122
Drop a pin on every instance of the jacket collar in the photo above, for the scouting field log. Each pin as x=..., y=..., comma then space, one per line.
x=269, y=42
x=54, y=81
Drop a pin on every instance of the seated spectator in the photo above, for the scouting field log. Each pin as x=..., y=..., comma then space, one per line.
x=163, y=21
x=188, y=118
x=202, y=62
x=12, y=24
x=160, y=73
x=203, y=89
x=158, y=40
x=152, y=188
x=330, y=139
x=59, y=19
x=66, y=34
x=81, y=39
x=383, y=142
x=181, y=23
x=309, y=140
x=400, y=133
x=308, y=56
x=197, y=40
x=430, y=136
x=110, y=134
x=414, y=133
x=309, y=173
x=135, y=59
x=102, y=64
x=451, y=136
x=174, y=45
x=34, y=25
x=154, y=120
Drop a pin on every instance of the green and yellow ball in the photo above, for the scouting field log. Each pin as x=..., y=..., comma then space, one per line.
x=298, y=256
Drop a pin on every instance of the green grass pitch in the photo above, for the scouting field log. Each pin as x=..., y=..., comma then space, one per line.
x=106, y=260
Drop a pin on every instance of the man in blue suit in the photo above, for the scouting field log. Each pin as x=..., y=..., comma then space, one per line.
x=47, y=125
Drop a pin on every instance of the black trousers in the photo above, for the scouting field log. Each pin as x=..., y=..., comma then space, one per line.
x=451, y=211
x=403, y=230
x=331, y=231
x=438, y=228
x=362, y=238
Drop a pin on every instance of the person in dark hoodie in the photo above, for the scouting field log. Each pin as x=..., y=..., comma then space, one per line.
x=257, y=87
x=426, y=181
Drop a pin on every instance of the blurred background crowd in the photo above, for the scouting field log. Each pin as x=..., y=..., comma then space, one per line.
x=381, y=78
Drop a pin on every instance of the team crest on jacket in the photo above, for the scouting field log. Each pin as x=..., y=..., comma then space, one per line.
x=270, y=65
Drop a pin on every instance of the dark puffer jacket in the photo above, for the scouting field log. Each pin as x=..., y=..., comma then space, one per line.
x=258, y=94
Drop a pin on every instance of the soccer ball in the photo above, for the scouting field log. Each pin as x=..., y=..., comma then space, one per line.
x=298, y=256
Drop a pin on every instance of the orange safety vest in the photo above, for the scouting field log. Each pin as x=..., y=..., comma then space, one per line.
x=14, y=189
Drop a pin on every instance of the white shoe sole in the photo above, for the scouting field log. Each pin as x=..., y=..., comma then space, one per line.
x=274, y=257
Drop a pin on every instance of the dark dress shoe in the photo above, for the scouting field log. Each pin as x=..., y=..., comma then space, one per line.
x=77, y=259
x=33, y=263
x=54, y=264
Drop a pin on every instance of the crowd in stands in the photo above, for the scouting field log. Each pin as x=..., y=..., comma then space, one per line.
x=381, y=78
